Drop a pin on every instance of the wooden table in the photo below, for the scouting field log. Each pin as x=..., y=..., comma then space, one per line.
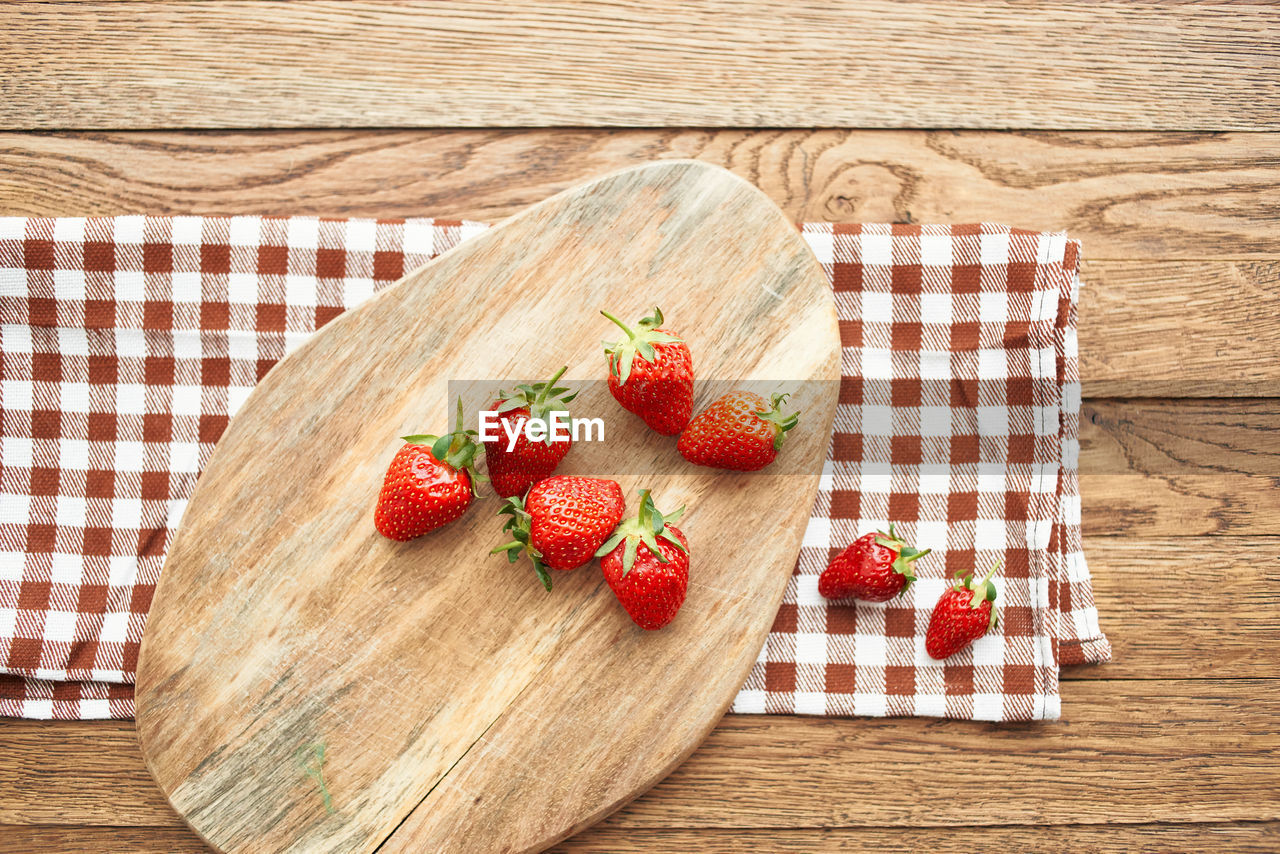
x=1151, y=133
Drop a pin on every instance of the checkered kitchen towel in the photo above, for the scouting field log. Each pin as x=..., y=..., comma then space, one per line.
x=127, y=343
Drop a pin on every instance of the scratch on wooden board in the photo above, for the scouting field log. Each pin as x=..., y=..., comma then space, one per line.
x=310, y=759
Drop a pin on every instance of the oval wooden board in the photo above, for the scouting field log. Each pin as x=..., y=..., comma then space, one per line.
x=307, y=685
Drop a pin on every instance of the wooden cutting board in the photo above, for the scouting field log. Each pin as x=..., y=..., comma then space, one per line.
x=307, y=685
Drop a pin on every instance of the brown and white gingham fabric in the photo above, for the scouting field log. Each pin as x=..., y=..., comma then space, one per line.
x=958, y=421
x=127, y=343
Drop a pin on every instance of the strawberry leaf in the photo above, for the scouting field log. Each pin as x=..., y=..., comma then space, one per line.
x=781, y=423
x=638, y=344
x=629, y=554
x=541, y=570
x=650, y=541
x=647, y=526
x=984, y=590
x=610, y=544
x=542, y=399
x=518, y=526
x=675, y=542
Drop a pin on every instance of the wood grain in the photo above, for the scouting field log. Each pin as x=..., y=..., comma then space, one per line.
x=866, y=64
x=1138, y=752
x=1138, y=197
x=1181, y=437
x=77, y=772
x=1144, y=589
x=1243, y=837
x=1180, y=505
x=1209, y=743
x=65, y=839
x=1180, y=329
x=458, y=705
x=1180, y=468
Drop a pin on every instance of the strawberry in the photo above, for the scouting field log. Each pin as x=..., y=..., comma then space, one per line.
x=962, y=615
x=430, y=482
x=527, y=462
x=646, y=563
x=875, y=567
x=740, y=431
x=651, y=374
x=561, y=522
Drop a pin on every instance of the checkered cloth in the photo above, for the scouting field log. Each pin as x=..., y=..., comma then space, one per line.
x=958, y=421
x=127, y=343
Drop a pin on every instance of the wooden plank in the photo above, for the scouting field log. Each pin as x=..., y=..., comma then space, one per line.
x=1145, y=590
x=1180, y=437
x=626, y=63
x=1180, y=329
x=439, y=682
x=71, y=839
x=1180, y=505
x=1140, y=751
x=1242, y=837
x=1180, y=468
x=1136, y=197
x=73, y=772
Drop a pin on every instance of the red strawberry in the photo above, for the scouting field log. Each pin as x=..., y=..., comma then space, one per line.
x=875, y=568
x=430, y=482
x=651, y=374
x=514, y=471
x=561, y=522
x=962, y=615
x=740, y=431
x=646, y=563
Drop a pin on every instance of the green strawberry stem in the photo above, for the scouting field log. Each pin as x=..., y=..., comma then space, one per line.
x=546, y=387
x=781, y=423
x=519, y=527
x=645, y=527
x=640, y=342
x=457, y=449
x=984, y=590
x=623, y=326
x=541, y=399
x=514, y=544
x=907, y=555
